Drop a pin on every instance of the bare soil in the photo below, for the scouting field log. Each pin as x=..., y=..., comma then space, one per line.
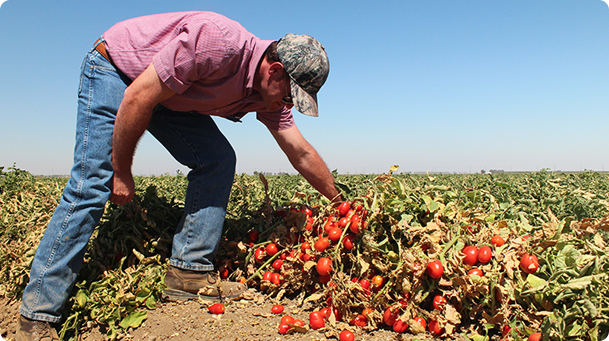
x=249, y=320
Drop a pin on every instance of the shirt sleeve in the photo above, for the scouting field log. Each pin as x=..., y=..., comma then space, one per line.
x=280, y=120
x=199, y=52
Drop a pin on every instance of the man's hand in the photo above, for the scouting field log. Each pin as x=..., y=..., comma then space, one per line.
x=123, y=188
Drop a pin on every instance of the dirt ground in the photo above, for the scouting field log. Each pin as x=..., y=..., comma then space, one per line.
x=247, y=320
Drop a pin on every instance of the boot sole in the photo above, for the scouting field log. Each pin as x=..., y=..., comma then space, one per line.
x=179, y=295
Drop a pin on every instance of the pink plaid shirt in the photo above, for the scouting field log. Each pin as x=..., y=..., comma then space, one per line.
x=207, y=59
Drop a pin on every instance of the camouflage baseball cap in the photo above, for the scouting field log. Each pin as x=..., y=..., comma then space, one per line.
x=306, y=62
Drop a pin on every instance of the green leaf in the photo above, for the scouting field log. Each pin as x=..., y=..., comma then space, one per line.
x=81, y=299
x=536, y=283
x=134, y=319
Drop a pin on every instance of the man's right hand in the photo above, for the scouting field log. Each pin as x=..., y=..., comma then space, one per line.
x=123, y=188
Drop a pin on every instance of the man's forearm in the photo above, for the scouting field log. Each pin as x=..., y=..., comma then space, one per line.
x=315, y=170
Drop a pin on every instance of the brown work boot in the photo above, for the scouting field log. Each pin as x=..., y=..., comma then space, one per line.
x=31, y=330
x=187, y=284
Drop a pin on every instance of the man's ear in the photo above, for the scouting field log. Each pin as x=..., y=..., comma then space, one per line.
x=275, y=68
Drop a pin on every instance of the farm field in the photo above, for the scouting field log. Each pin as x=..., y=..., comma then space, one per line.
x=447, y=256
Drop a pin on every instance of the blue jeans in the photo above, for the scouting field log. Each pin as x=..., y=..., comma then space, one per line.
x=193, y=139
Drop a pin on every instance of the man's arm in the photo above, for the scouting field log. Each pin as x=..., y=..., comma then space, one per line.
x=306, y=161
x=132, y=119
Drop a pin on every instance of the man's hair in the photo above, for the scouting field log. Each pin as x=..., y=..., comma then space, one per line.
x=271, y=53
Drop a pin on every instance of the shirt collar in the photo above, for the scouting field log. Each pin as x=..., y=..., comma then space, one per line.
x=259, y=49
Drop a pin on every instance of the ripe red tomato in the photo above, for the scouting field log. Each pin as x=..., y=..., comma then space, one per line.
x=277, y=309
x=324, y=279
x=377, y=282
x=276, y=278
x=506, y=330
x=355, y=223
x=400, y=326
x=305, y=246
x=497, y=241
x=316, y=320
x=283, y=329
x=287, y=319
x=299, y=323
x=259, y=254
x=390, y=316
x=535, y=337
x=277, y=264
x=216, y=308
x=310, y=222
x=324, y=266
x=485, y=254
x=325, y=312
x=334, y=234
x=267, y=276
x=271, y=249
x=346, y=335
x=435, y=269
x=307, y=210
x=253, y=235
x=224, y=273
x=342, y=222
x=321, y=244
x=434, y=328
x=439, y=302
x=344, y=208
x=348, y=242
x=330, y=223
x=420, y=321
x=476, y=271
x=364, y=283
x=359, y=320
x=471, y=255
x=337, y=314
x=529, y=263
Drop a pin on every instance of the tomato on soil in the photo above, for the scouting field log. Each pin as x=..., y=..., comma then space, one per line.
x=298, y=323
x=346, y=335
x=216, y=308
x=400, y=326
x=283, y=329
x=277, y=309
x=485, y=254
x=471, y=255
x=435, y=269
x=316, y=320
x=287, y=319
x=529, y=263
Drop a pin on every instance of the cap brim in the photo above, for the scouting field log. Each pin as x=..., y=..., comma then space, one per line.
x=304, y=102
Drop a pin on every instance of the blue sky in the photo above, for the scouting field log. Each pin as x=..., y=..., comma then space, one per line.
x=438, y=86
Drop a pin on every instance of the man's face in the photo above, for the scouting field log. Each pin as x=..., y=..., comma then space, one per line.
x=275, y=90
